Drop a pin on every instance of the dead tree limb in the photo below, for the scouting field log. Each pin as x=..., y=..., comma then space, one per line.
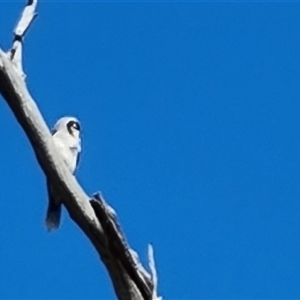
x=92, y=214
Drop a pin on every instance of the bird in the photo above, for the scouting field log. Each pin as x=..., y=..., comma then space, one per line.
x=66, y=138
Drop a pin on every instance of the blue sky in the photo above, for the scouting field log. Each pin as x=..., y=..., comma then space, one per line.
x=191, y=130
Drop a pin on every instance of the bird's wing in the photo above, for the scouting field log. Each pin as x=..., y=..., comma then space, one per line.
x=78, y=154
x=77, y=160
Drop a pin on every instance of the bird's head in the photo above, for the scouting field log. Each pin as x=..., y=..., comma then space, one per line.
x=69, y=125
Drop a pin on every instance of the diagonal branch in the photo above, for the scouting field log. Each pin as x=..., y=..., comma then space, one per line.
x=93, y=216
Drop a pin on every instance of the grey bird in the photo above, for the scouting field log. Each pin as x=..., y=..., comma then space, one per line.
x=66, y=137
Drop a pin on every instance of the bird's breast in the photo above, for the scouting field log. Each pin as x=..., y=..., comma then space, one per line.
x=68, y=154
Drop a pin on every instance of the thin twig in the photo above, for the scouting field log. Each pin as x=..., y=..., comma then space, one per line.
x=153, y=272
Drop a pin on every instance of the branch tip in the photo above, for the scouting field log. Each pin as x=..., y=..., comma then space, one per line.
x=153, y=272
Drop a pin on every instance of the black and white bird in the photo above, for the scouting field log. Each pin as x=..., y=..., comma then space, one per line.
x=66, y=137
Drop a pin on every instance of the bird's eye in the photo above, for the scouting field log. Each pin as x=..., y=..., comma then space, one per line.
x=73, y=124
x=76, y=126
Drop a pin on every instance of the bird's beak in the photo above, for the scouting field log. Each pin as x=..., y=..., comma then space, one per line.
x=75, y=133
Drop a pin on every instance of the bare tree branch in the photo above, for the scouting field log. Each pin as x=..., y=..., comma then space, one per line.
x=27, y=17
x=93, y=215
x=118, y=246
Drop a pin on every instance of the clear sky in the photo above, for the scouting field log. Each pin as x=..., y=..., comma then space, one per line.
x=191, y=130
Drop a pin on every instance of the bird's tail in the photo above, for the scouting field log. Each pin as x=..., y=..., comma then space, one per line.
x=53, y=217
x=53, y=212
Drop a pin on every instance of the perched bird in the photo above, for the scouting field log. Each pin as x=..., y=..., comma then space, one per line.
x=66, y=137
